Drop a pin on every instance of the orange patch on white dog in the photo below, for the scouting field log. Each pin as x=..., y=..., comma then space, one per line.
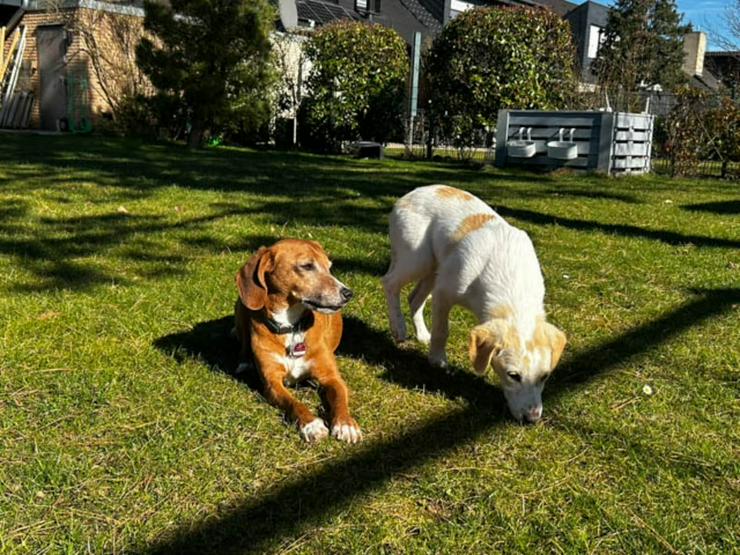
x=405, y=204
x=504, y=312
x=451, y=193
x=469, y=225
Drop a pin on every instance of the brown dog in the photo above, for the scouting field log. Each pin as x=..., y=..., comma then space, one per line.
x=287, y=313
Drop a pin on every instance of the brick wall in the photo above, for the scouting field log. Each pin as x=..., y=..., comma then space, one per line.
x=94, y=80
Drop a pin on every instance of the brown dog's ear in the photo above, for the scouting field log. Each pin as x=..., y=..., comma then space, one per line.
x=486, y=341
x=557, y=340
x=250, y=280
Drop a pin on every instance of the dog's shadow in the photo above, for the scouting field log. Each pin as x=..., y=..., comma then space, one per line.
x=212, y=343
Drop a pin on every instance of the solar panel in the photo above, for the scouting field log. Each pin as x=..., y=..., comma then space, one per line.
x=321, y=12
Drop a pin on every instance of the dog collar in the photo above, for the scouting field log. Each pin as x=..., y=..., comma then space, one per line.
x=305, y=322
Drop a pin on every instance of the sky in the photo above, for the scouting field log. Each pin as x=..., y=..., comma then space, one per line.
x=704, y=15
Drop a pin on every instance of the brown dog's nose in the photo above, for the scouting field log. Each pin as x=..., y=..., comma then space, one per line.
x=346, y=294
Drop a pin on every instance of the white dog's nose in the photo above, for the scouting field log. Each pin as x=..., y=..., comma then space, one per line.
x=533, y=414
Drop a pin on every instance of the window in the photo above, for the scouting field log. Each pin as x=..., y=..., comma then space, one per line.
x=366, y=6
x=457, y=7
x=595, y=40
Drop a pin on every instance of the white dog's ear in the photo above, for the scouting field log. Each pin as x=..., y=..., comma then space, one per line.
x=486, y=341
x=556, y=340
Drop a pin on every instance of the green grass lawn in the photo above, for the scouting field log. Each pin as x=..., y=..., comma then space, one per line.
x=123, y=430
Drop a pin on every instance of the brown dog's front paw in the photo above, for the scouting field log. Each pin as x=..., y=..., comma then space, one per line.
x=346, y=430
x=314, y=431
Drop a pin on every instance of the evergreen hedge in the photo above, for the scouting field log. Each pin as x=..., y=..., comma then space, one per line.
x=491, y=58
x=356, y=85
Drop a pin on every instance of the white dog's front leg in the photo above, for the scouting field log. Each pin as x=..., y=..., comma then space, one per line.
x=441, y=307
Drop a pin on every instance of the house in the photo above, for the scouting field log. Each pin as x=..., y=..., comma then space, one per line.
x=66, y=61
x=77, y=57
x=588, y=23
x=725, y=67
x=427, y=17
x=405, y=16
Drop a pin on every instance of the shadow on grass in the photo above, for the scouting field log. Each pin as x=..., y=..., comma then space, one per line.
x=669, y=237
x=257, y=524
x=285, y=187
x=721, y=207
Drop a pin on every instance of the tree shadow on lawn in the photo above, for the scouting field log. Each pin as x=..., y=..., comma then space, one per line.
x=51, y=250
x=668, y=237
x=140, y=166
x=260, y=523
x=291, y=187
x=719, y=207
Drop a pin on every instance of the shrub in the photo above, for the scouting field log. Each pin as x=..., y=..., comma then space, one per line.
x=356, y=85
x=700, y=127
x=491, y=58
x=724, y=133
x=684, y=134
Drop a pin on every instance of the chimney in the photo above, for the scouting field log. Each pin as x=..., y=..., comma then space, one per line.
x=694, y=47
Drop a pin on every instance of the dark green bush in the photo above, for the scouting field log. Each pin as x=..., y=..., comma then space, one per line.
x=487, y=59
x=208, y=61
x=356, y=86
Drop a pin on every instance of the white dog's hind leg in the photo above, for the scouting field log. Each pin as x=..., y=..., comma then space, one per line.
x=417, y=300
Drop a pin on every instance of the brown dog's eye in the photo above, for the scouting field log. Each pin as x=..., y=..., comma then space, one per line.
x=515, y=376
x=307, y=267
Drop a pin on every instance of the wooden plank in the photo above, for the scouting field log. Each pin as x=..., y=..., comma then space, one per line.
x=631, y=149
x=2, y=48
x=638, y=136
x=584, y=147
x=502, y=126
x=551, y=133
x=606, y=133
x=15, y=104
x=558, y=113
x=629, y=162
x=625, y=119
x=636, y=122
x=545, y=161
x=553, y=121
x=634, y=171
x=27, y=112
x=6, y=63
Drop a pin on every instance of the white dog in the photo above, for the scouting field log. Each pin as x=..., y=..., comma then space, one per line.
x=459, y=250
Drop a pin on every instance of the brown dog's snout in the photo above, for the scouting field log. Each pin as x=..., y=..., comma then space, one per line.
x=346, y=294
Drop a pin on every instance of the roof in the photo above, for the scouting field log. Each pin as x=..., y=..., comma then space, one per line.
x=705, y=81
x=723, y=54
x=560, y=7
x=422, y=15
x=321, y=12
x=405, y=16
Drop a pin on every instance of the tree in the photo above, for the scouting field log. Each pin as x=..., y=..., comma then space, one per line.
x=491, y=58
x=292, y=66
x=642, y=49
x=356, y=85
x=729, y=40
x=208, y=59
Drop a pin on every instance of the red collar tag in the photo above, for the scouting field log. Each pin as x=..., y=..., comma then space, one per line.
x=298, y=350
